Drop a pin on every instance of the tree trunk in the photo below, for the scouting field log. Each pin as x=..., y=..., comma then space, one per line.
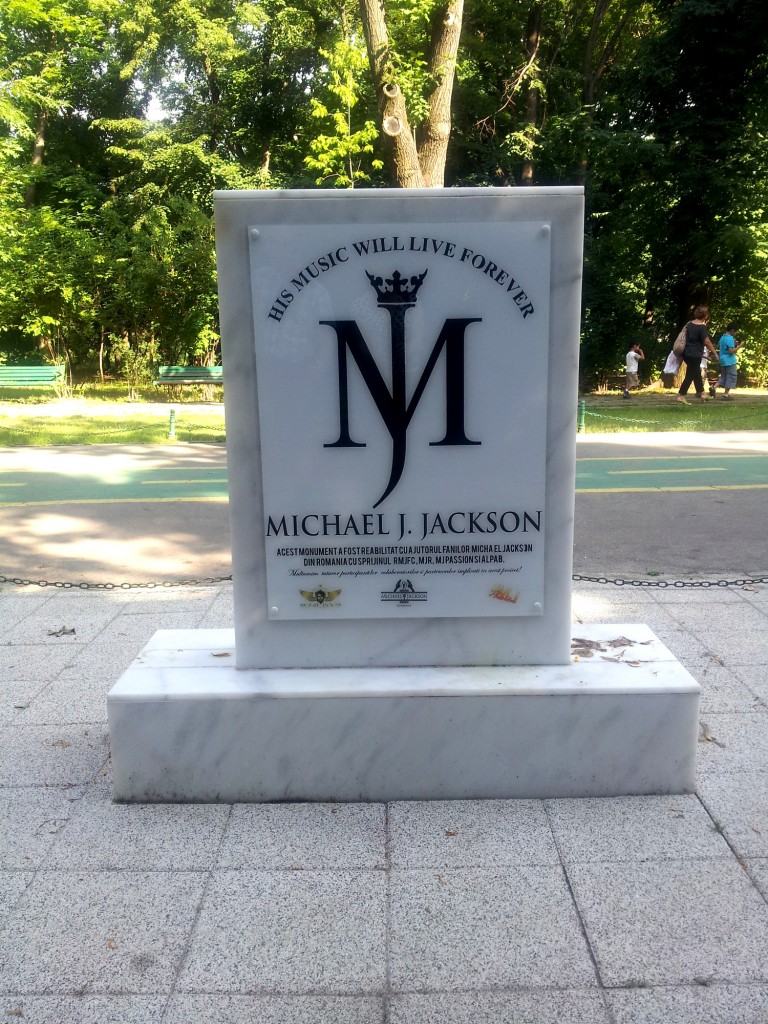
x=395, y=128
x=37, y=157
x=532, y=92
x=444, y=45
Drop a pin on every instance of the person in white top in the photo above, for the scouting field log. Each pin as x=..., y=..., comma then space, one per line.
x=634, y=356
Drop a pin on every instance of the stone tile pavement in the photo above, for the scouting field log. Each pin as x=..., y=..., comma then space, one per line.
x=643, y=910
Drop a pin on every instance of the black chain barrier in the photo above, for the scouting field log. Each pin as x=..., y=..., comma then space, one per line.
x=117, y=586
x=697, y=584
x=210, y=580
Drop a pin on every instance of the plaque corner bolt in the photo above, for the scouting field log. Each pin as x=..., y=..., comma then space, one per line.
x=546, y=229
x=274, y=610
x=537, y=606
x=254, y=233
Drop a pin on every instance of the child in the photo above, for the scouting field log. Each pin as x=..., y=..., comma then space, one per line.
x=728, y=346
x=634, y=356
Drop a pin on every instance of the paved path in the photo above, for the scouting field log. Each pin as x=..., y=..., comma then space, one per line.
x=641, y=910
x=665, y=504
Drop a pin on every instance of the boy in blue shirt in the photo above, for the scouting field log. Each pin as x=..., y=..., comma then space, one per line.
x=728, y=346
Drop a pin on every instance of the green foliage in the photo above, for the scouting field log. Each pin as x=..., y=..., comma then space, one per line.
x=339, y=156
x=658, y=107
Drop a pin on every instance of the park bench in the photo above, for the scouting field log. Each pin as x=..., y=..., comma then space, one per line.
x=189, y=375
x=49, y=376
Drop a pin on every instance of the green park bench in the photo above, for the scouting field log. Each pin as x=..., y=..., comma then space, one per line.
x=49, y=376
x=189, y=375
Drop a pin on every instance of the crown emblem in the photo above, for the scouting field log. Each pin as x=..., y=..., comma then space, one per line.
x=397, y=290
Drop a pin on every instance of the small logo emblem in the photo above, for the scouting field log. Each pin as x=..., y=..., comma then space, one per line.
x=320, y=597
x=403, y=594
x=499, y=593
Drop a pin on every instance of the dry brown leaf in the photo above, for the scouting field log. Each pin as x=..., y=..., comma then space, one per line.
x=221, y=654
x=111, y=944
x=580, y=641
x=582, y=652
x=448, y=832
x=440, y=879
x=620, y=641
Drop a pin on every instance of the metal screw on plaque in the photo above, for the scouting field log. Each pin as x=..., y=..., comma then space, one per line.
x=274, y=610
x=537, y=606
x=545, y=229
x=254, y=233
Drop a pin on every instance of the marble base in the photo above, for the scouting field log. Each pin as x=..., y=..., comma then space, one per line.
x=186, y=725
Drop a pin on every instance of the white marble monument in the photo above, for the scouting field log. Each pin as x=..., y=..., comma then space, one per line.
x=400, y=387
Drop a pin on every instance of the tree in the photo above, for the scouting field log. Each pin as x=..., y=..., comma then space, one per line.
x=417, y=154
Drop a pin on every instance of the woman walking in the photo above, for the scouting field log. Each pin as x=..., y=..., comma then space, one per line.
x=697, y=338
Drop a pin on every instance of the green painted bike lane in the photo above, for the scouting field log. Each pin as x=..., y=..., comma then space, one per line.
x=195, y=483
x=714, y=471
x=184, y=483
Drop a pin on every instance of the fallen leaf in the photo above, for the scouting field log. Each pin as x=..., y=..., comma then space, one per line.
x=634, y=664
x=440, y=879
x=705, y=736
x=620, y=641
x=580, y=641
x=582, y=652
x=449, y=833
x=62, y=631
x=61, y=743
x=756, y=830
x=221, y=654
x=111, y=944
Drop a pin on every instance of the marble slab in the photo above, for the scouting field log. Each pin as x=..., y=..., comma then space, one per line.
x=503, y=633
x=187, y=725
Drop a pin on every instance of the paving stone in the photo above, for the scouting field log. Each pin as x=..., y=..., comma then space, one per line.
x=30, y=820
x=83, y=1009
x=758, y=869
x=287, y=932
x=51, y=755
x=102, y=835
x=51, y=625
x=74, y=933
x=140, y=628
x=222, y=1009
x=102, y=661
x=36, y=662
x=721, y=690
x=221, y=614
x=174, y=600
x=727, y=1004
x=737, y=743
x=305, y=836
x=69, y=702
x=470, y=833
x=755, y=679
x=12, y=886
x=673, y=922
x=739, y=803
x=16, y=697
x=546, y=1007
x=473, y=929
x=634, y=828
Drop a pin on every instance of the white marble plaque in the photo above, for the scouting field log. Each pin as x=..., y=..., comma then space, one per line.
x=402, y=376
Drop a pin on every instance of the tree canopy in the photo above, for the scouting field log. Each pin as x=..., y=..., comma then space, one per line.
x=118, y=118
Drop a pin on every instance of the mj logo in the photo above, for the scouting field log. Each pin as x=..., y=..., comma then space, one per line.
x=397, y=295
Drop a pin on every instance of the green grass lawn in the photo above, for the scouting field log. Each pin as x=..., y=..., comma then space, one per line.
x=660, y=412
x=134, y=429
